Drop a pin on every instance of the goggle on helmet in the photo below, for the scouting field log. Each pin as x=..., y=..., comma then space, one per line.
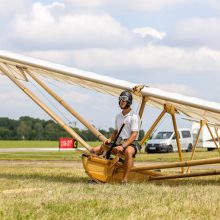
x=126, y=96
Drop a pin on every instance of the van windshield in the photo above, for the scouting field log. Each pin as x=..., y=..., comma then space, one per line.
x=163, y=135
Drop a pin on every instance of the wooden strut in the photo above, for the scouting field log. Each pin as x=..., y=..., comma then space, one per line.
x=206, y=173
x=168, y=108
x=178, y=164
x=44, y=107
x=68, y=107
x=172, y=111
x=143, y=104
x=147, y=135
x=213, y=138
x=202, y=123
x=216, y=131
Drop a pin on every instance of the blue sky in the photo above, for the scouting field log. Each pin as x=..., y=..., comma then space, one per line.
x=169, y=44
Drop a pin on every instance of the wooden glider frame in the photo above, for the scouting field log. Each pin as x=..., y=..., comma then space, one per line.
x=110, y=171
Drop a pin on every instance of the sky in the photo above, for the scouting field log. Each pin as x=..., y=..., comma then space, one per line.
x=168, y=44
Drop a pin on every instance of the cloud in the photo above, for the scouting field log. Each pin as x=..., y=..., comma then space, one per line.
x=15, y=103
x=215, y=4
x=10, y=8
x=149, y=5
x=45, y=27
x=150, y=57
x=138, y=5
x=198, y=31
x=177, y=88
x=84, y=4
x=149, y=31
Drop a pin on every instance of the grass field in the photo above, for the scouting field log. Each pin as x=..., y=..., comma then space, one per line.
x=34, y=144
x=53, y=185
x=60, y=191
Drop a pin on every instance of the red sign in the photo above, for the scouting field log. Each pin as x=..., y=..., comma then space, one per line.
x=67, y=143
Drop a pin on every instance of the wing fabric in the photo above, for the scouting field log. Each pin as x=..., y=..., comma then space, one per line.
x=189, y=106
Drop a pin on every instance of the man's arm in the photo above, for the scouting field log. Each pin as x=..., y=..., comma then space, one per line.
x=132, y=138
x=125, y=144
x=112, y=137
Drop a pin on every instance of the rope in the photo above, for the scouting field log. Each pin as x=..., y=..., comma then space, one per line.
x=67, y=119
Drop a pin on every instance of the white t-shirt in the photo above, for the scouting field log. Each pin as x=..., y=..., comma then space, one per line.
x=132, y=123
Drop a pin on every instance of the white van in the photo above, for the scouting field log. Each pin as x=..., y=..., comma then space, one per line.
x=205, y=139
x=165, y=141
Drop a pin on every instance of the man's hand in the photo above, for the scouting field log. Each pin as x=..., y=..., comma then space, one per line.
x=119, y=148
x=107, y=141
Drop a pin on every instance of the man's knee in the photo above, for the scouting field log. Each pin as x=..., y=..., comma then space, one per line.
x=129, y=152
x=97, y=149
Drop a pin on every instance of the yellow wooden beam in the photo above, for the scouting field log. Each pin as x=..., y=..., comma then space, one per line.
x=143, y=104
x=147, y=135
x=213, y=138
x=177, y=136
x=44, y=107
x=68, y=107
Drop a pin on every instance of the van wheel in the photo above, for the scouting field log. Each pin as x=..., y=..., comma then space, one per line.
x=169, y=149
x=189, y=149
x=147, y=150
x=210, y=149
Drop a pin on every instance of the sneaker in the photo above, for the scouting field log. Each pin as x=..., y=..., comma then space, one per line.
x=124, y=182
x=92, y=181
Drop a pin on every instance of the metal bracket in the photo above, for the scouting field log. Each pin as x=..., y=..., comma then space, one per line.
x=137, y=89
x=170, y=109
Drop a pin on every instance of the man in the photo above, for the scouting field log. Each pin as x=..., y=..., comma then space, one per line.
x=129, y=135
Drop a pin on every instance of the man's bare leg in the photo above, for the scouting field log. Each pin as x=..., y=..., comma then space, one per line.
x=129, y=162
x=98, y=150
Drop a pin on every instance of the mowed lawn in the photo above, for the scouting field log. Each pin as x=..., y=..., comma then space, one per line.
x=52, y=190
x=33, y=144
x=53, y=185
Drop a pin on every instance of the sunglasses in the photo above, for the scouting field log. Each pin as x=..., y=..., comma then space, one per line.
x=123, y=98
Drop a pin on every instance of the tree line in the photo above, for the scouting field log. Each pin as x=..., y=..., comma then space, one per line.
x=28, y=128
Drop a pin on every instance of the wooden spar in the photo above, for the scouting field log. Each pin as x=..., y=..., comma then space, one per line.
x=152, y=127
x=178, y=164
x=206, y=173
x=44, y=107
x=172, y=110
x=213, y=138
x=202, y=123
x=68, y=107
x=143, y=104
x=216, y=131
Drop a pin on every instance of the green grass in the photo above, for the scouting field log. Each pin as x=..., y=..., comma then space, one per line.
x=53, y=185
x=61, y=156
x=29, y=144
x=35, y=144
x=75, y=156
x=56, y=191
x=70, y=155
x=170, y=157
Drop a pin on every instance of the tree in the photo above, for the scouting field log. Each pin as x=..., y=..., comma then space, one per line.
x=4, y=133
x=24, y=131
x=38, y=131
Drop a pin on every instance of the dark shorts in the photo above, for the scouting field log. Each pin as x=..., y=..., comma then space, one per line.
x=136, y=147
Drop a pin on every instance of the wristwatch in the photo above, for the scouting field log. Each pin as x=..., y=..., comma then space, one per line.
x=123, y=145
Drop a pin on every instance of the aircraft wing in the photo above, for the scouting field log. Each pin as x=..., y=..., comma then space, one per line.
x=189, y=106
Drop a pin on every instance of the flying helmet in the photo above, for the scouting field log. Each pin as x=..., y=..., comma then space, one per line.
x=126, y=96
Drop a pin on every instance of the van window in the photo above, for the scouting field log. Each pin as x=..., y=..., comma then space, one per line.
x=163, y=135
x=186, y=134
x=174, y=136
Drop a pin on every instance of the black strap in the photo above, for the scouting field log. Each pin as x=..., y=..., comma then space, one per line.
x=114, y=143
